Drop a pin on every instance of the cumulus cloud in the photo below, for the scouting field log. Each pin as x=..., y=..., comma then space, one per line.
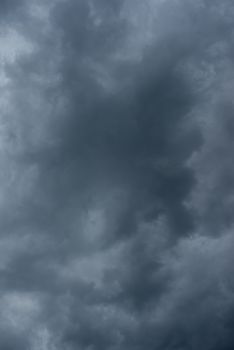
x=116, y=174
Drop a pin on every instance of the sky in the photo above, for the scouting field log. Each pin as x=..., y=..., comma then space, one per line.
x=116, y=175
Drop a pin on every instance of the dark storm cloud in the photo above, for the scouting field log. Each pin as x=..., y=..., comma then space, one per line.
x=133, y=137
x=116, y=193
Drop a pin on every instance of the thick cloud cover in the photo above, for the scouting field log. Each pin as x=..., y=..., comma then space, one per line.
x=116, y=158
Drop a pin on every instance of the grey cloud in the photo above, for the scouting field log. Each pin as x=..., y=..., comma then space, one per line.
x=7, y=7
x=116, y=192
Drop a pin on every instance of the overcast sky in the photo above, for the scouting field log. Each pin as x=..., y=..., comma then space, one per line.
x=116, y=174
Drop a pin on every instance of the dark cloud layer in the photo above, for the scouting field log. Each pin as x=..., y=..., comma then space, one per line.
x=116, y=175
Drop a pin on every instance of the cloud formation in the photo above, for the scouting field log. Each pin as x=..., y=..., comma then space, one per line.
x=116, y=174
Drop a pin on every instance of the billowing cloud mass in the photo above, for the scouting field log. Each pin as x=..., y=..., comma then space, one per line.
x=116, y=175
